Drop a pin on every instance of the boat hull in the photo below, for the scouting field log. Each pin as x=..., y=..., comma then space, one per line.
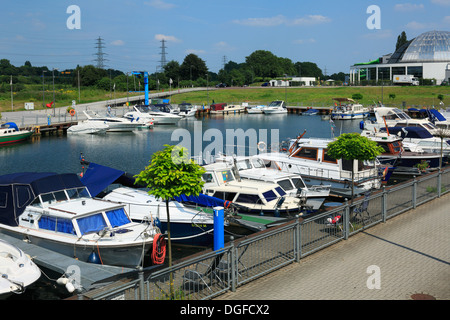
x=349, y=116
x=115, y=255
x=14, y=138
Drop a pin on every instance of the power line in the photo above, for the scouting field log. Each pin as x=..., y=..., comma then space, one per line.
x=100, y=60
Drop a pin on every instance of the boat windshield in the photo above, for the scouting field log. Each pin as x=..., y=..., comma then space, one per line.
x=54, y=196
x=227, y=176
x=243, y=164
x=258, y=163
x=276, y=104
x=402, y=115
x=77, y=193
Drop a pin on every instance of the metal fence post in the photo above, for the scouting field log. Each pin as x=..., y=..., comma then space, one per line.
x=298, y=241
x=234, y=266
x=414, y=193
x=346, y=219
x=384, y=204
x=439, y=183
x=141, y=282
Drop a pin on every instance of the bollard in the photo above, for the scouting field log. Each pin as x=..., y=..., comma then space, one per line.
x=219, y=242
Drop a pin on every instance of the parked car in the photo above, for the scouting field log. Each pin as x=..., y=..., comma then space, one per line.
x=265, y=84
x=221, y=85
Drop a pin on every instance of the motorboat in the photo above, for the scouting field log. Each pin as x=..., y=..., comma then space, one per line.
x=88, y=127
x=149, y=113
x=394, y=117
x=10, y=133
x=247, y=196
x=253, y=168
x=189, y=226
x=256, y=109
x=166, y=107
x=348, y=109
x=417, y=138
x=395, y=155
x=115, y=124
x=17, y=270
x=187, y=110
x=275, y=107
x=310, y=112
x=224, y=108
x=308, y=157
x=56, y=212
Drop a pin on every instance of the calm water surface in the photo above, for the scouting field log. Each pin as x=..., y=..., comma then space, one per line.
x=131, y=152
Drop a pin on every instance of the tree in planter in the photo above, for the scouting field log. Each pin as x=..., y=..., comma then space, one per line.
x=353, y=146
x=170, y=174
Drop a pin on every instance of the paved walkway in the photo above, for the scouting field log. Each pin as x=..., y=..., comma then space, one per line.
x=410, y=253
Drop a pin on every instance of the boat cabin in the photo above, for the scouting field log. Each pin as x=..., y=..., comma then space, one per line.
x=218, y=106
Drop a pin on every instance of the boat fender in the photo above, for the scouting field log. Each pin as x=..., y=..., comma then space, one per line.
x=94, y=258
x=361, y=125
x=157, y=222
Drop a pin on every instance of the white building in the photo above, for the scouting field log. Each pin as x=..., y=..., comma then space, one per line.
x=306, y=81
x=426, y=57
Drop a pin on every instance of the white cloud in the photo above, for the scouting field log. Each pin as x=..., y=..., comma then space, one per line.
x=408, y=7
x=282, y=20
x=311, y=20
x=118, y=43
x=304, y=41
x=160, y=37
x=441, y=2
x=378, y=34
x=159, y=4
x=414, y=25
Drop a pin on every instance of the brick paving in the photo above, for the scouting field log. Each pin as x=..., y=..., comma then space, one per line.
x=410, y=252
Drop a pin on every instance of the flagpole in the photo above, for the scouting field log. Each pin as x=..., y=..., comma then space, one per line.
x=12, y=99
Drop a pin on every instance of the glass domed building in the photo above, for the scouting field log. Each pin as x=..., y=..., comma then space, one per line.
x=425, y=57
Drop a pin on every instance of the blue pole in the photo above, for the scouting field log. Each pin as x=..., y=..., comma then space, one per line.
x=146, y=87
x=219, y=242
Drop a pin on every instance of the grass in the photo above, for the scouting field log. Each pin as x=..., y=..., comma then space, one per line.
x=316, y=96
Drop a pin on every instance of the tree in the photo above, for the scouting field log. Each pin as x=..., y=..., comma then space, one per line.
x=264, y=64
x=401, y=40
x=353, y=146
x=170, y=174
x=193, y=68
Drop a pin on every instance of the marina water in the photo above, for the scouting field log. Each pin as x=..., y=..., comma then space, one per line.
x=131, y=152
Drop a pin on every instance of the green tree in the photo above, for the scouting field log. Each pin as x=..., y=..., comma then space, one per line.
x=401, y=40
x=170, y=174
x=357, y=96
x=308, y=69
x=264, y=64
x=193, y=68
x=353, y=146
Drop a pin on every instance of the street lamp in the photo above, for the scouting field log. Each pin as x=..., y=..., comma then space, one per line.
x=43, y=89
x=54, y=106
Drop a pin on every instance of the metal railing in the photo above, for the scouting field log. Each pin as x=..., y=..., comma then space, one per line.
x=243, y=260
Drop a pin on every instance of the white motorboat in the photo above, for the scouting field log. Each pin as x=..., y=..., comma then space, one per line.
x=248, y=196
x=256, y=109
x=88, y=127
x=275, y=107
x=115, y=124
x=151, y=114
x=393, y=117
x=348, y=109
x=224, y=108
x=17, y=270
x=308, y=157
x=187, y=109
x=253, y=168
x=56, y=212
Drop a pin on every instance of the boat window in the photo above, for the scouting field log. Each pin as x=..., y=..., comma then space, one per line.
x=269, y=195
x=225, y=195
x=249, y=198
x=347, y=165
x=286, y=184
x=308, y=153
x=56, y=224
x=327, y=158
x=92, y=223
x=429, y=126
x=207, y=177
x=23, y=196
x=227, y=176
x=396, y=146
x=298, y=183
x=385, y=147
x=117, y=217
x=242, y=165
x=258, y=163
x=3, y=199
x=280, y=191
x=77, y=193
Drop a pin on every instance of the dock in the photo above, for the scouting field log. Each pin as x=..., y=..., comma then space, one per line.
x=89, y=273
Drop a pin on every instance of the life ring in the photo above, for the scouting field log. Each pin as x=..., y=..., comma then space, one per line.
x=159, y=249
x=72, y=112
x=261, y=146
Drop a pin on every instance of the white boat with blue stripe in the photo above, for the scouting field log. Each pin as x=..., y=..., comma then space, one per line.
x=348, y=109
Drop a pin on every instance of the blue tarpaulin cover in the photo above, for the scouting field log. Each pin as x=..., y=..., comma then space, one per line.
x=410, y=132
x=98, y=177
x=18, y=190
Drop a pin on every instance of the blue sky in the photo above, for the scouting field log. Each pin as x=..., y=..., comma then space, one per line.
x=332, y=34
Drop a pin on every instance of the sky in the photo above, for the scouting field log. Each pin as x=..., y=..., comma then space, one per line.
x=332, y=34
